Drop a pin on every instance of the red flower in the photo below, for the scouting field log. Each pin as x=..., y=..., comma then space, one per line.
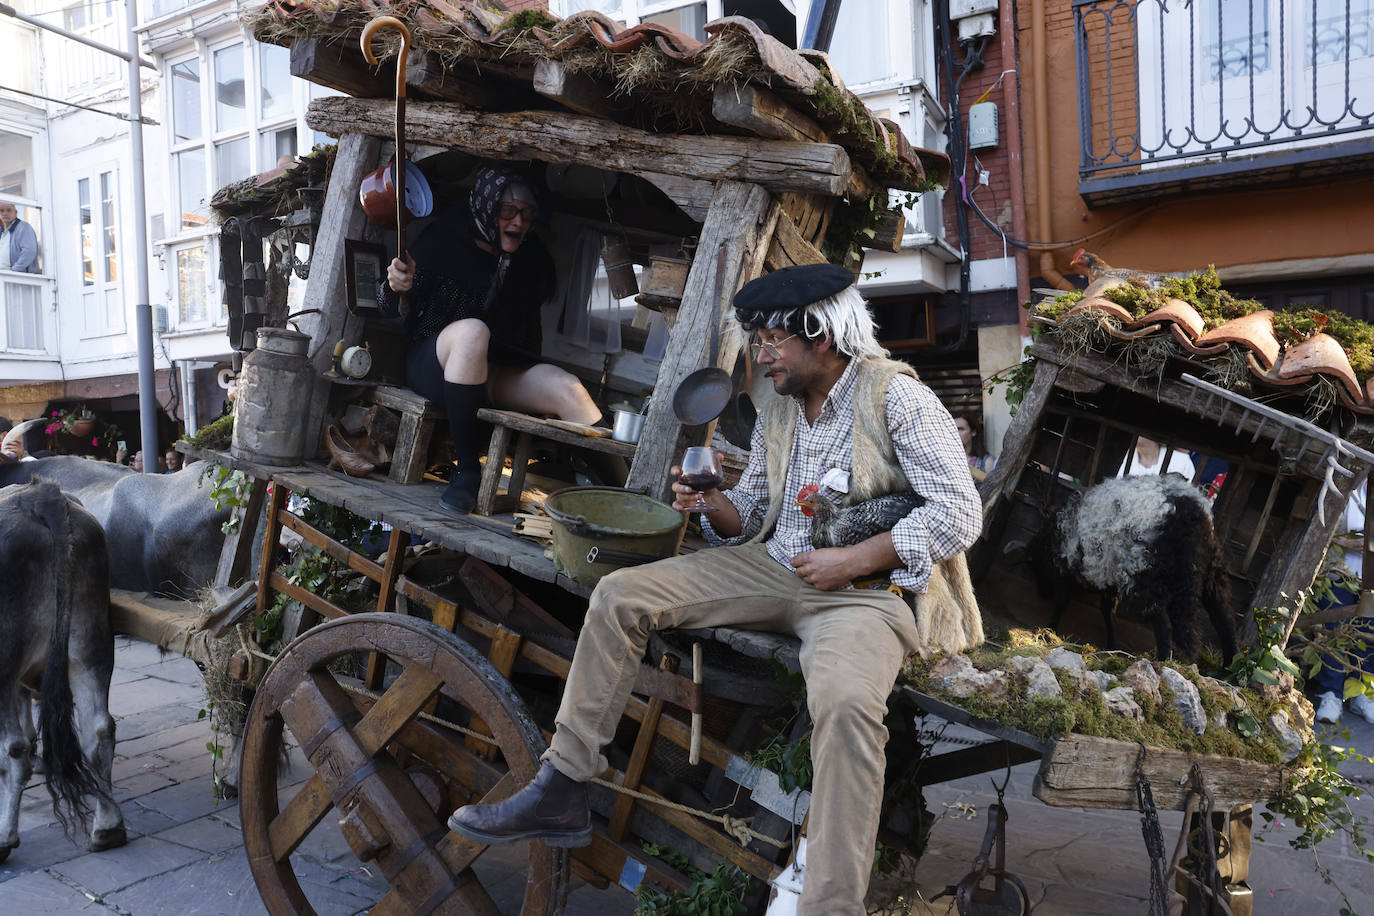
x=95, y=440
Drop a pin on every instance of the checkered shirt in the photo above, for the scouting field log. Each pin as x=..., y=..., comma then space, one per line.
x=928, y=450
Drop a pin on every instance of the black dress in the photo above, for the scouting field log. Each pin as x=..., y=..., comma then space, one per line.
x=455, y=279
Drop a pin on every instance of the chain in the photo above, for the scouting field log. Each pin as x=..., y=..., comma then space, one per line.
x=736, y=827
x=1152, y=832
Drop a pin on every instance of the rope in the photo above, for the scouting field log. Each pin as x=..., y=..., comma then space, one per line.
x=738, y=828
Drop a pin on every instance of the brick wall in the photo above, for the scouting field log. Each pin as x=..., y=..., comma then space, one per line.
x=995, y=197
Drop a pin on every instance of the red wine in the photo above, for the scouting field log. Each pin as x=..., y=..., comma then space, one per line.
x=700, y=482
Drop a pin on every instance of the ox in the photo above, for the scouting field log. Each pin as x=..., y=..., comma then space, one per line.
x=163, y=530
x=55, y=639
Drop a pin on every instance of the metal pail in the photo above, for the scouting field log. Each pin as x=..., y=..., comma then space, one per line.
x=273, y=403
x=599, y=529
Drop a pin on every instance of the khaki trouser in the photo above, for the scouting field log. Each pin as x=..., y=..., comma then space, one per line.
x=853, y=644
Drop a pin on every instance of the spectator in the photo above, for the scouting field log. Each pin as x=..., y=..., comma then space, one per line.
x=18, y=241
x=1327, y=686
x=138, y=461
x=1149, y=456
x=172, y=461
x=971, y=436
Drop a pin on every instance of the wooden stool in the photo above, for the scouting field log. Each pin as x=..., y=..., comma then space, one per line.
x=418, y=417
x=524, y=429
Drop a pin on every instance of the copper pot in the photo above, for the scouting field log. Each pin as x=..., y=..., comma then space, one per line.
x=378, y=194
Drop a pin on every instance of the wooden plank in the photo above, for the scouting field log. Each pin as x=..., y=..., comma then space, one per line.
x=815, y=168
x=639, y=758
x=790, y=249
x=764, y=114
x=971, y=761
x=270, y=537
x=314, y=602
x=425, y=72
x=692, y=195
x=339, y=65
x=742, y=219
x=605, y=857
x=331, y=548
x=496, y=595
x=386, y=600
x=579, y=92
x=544, y=429
x=236, y=557
x=887, y=235
x=491, y=471
x=1085, y=772
x=505, y=648
x=343, y=219
x=1020, y=435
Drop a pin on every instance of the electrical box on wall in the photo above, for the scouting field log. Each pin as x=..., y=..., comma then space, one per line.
x=982, y=125
x=972, y=28
x=960, y=9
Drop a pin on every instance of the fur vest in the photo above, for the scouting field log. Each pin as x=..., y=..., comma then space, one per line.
x=947, y=615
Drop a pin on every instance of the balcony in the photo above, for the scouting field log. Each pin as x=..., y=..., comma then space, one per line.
x=29, y=327
x=1179, y=96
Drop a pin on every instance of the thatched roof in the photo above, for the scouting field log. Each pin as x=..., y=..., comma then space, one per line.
x=664, y=80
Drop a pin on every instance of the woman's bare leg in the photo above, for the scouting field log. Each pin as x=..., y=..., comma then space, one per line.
x=462, y=351
x=542, y=389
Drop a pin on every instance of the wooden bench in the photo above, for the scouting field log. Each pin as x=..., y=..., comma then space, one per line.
x=418, y=417
x=509, y=426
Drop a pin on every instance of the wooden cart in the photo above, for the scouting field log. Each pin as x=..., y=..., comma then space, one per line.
x=440, y=698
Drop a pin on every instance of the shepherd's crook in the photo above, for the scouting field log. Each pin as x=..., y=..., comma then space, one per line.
x=370, y=30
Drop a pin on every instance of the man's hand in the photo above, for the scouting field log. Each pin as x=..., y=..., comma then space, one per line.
x=827, y=569
x=401, y=274
x=685, y=499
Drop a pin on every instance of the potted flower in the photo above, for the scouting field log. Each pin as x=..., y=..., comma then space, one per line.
x=81, y=422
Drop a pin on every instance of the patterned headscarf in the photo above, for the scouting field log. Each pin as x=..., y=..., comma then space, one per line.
x=487, y=189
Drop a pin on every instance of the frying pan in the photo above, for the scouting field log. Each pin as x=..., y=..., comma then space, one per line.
x=701, y=396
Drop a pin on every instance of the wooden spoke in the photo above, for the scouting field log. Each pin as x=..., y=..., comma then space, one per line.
x=377, y=760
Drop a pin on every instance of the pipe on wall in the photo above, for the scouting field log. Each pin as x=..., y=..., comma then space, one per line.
x=1039, y=58
x=1015, y=160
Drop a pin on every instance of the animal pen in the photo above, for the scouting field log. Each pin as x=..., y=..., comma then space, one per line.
x=755, y=156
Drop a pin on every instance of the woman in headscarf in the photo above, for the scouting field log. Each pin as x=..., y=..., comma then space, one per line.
x=474, y=289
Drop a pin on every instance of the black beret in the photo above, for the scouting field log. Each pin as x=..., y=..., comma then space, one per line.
x=792, y=287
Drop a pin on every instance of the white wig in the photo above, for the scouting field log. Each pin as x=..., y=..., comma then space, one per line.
x=843, y=317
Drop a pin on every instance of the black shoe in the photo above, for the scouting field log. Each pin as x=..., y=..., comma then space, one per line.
x=461, y=493
x=552, y=808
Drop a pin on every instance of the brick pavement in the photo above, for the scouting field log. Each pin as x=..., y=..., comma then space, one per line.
x=185, y=854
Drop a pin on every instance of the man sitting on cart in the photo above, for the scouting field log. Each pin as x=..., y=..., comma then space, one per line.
x=864, y=426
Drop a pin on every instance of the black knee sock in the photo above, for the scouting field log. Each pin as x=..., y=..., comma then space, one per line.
x=461, y=403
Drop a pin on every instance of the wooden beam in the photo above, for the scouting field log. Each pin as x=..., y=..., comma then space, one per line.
x=426, y=73
x=340, y=66
x=764, y=114
x=577, y=92
x=343, y=219
x=789, y=249
x=692, y=196
x=550, y=136
x=888, y=233
x=743, y=218
x=1085, y=772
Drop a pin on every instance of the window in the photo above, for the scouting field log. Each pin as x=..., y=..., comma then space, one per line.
x=277, y=143
x=83, y=202
x=23, y=314
x=689, y=20
x=859, y=46
x=231, y=161
x=163, y=7
x=230, y=111
x=191, y=285
x=102, y=300
x=190, y=168
x=186, y=101
x=275, y=88
x=76, y=68
x=108, y=227
x=16, y=165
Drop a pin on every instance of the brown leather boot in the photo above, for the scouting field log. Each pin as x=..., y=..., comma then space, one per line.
x=552, y=808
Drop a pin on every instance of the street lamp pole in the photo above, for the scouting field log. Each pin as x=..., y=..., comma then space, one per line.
x=143, y=309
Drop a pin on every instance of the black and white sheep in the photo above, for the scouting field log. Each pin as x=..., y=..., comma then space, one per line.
x=1147, y=543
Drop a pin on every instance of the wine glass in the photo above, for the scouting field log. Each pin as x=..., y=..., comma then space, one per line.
x=701, y=471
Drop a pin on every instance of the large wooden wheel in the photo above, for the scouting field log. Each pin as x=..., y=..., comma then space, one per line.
x=390, y=773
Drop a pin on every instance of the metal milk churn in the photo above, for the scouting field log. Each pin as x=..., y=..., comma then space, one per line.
x=273, y=400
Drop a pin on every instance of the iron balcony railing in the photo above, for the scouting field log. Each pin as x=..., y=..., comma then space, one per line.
x=1172, y=81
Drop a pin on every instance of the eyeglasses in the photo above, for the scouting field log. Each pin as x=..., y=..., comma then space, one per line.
x=510, y=209
x=773, y=348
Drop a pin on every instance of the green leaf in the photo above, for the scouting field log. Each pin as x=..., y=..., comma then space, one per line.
x=1264, y=677
x=1353, y=688
x=1285, y=664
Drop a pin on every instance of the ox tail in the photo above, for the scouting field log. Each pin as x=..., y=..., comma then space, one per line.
x=71, y=778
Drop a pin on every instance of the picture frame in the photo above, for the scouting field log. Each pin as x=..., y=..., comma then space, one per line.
x=364, y=267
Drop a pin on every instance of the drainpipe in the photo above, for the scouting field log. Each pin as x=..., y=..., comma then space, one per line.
x=1015, y=161
x=1042, y=144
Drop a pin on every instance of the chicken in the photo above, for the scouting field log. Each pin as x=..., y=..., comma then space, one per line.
x=832, y=526
x=1098, y=269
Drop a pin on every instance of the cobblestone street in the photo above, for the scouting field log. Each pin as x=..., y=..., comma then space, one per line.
x=185, y=853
